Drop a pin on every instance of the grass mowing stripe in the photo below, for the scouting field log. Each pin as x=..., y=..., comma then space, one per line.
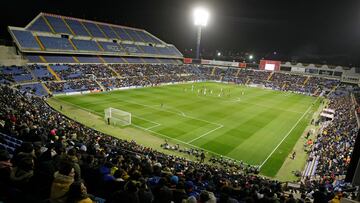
x=295, y=125
x=224, y=121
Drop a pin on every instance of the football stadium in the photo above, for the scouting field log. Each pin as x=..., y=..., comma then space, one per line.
x=98, y=111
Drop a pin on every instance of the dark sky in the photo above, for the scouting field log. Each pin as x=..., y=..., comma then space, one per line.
x=306, y=30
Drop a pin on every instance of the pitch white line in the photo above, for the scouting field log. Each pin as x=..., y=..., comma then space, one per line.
x=238, y=100
x=185, y=143
x=287, y=134
x=153, y=126
x=159, y=109
x=166, y=107
x=162, y=135
x=205, y=134
x=146, y=120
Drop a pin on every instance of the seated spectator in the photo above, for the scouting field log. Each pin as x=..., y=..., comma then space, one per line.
x=63, y=178
x=5, y=172
x=78, y=193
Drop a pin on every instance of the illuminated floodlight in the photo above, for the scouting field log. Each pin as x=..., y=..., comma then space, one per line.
x=251, y=57
x=219, y=54
x=201, y=17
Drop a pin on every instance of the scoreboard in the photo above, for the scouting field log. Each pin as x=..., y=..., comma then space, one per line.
x=269, y=65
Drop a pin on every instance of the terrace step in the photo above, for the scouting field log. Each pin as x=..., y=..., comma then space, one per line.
x=100, y=85
x=100, y=47
x=46, y=88
x=32, y=73
x=43, y=59
x=68, y=27
x=213, y=71
x=48, y=24
x=101, y=30
x=72, y=44
x=86, y=29
x=39, y=42
x=306, y=80
x=270, y=76
x=115, y=32
x=113, y=70
x=76, y=59
x=53, y=73
x=101, y=59
x=237, y=73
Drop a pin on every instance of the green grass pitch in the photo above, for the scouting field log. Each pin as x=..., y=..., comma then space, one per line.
x=257, y=126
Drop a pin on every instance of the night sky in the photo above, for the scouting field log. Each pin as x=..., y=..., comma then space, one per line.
x=317, y=31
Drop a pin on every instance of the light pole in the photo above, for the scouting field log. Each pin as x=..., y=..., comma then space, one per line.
x=201, y=17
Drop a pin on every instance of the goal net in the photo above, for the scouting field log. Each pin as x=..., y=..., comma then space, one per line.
x=117, y=117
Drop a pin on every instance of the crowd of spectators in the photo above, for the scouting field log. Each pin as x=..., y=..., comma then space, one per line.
x=334, y=144
x=13, y=74
x=79, y=77
x=73, y=86
x=85, y=71
x=61, y=160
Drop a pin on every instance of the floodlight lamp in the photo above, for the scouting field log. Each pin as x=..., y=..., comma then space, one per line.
x=251, y=57
x=201, y=17
x=219, y=54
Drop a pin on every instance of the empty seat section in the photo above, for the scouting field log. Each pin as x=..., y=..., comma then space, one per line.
x=26, y=39
x=133, y=60
x=174, y=51
x=167, y=60
x=151, y=60
x=133, y=34
x=149, y=50
x=147, y=38
x=108, y=31
x=59, y=59
x=42, y=72
x=157, y=41
x=36, y=88
x=111, y=47
x=131, y=48
x=56, y=43
x=58, y=24
x=89, y=59
x=87, y=45
x=40, y=25
x=22, y=77
x=164, y=51
x=15, y=74
x=94, y=30
x=33, y=58
x=77, y=27
x=113, y=59
x=122, y=34
x=58, y=68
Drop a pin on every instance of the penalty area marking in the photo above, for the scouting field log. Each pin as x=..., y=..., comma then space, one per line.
x=157, y=133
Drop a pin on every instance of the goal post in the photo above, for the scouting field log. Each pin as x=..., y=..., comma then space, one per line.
x=117, y=117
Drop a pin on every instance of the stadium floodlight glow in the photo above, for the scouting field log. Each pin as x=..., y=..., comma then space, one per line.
x=201, y=17
x=219, y=54
x=251, y=57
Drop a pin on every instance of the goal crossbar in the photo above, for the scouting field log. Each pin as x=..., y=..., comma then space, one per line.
x=117, y=117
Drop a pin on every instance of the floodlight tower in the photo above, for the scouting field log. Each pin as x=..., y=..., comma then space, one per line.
x=201, y=17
